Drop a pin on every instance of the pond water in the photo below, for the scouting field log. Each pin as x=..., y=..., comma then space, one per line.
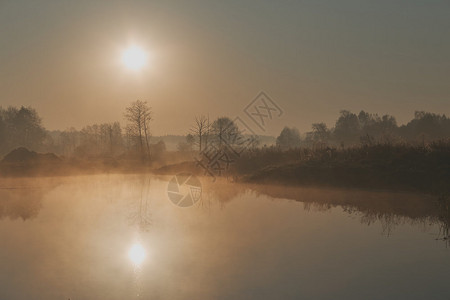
x=120, y=237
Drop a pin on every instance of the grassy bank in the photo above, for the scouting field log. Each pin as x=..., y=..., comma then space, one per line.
x=382, y=166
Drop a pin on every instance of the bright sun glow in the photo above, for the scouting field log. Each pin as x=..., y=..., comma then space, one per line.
x=137, y=254
x=134, y=58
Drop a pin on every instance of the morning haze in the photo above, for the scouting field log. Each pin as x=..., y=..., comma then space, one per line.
x=314, y=57
x=252, y=150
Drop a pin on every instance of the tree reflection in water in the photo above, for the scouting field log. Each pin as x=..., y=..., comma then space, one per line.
x=390, y=209
x=22, y=199
x=140, y=213
x=443, y=204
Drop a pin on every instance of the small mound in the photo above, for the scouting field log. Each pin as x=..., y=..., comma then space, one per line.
x=23, y=155
x=187, y=166
x=20, y=155
x=48, y=157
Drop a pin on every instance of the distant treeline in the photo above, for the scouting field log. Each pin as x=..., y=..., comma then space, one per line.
x=368, y=129
x=22, y=127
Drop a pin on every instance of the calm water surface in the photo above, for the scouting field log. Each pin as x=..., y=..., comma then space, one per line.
x=119, y=237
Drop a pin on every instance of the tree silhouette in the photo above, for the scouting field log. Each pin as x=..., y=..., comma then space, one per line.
x=289, y=138
x=20, y=127
x=138, y=115
x=224, y=130
x=200, y=131
x=347, y=128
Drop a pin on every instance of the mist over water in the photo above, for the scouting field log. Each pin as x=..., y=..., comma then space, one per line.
x=218, y=150
x=120, y=237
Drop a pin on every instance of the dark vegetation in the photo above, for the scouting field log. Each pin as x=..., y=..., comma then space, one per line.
x=363, y=151
x=379, y=166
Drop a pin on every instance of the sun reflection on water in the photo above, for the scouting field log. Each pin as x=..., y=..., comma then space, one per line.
x=137, y=254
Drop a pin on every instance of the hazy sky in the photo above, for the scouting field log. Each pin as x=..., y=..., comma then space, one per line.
x=314, y=58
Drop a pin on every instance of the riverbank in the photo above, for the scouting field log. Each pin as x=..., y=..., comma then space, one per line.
x=424, y=169
x=392, y=167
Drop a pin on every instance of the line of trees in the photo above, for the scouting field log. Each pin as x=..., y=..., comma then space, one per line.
x=92, y=140
x=220, y=133
x=366, y=129
x=22, y=127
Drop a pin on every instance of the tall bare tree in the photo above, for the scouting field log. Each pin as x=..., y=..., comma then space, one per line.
x=139, y=115
x=200, y=131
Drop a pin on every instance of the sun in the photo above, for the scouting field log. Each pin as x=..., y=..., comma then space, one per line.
x=134, y=58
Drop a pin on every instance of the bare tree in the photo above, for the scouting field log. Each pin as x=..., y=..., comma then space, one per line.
x=200, y=130
x=138, y=115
